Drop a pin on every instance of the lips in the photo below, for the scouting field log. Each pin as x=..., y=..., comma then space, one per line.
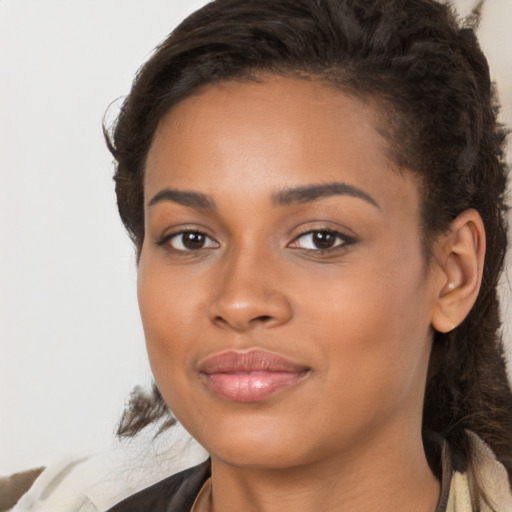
x=250, y=376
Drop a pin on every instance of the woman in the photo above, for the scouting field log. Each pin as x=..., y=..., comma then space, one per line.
x=315, y=191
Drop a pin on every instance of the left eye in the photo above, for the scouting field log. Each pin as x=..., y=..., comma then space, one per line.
x=319, y=240
x=190, y=241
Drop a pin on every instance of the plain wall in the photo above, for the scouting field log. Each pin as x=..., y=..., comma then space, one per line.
x=71, y=343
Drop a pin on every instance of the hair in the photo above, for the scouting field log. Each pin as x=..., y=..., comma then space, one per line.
x=429, y=77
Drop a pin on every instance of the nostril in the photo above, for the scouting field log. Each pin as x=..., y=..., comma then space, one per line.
x=262, y=318
x=220, y=320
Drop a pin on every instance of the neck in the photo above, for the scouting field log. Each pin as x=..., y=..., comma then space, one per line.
x=390, y=476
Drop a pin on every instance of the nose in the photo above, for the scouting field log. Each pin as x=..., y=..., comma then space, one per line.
x=250, y=295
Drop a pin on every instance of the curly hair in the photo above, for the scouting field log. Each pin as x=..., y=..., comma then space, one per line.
x=431, y=81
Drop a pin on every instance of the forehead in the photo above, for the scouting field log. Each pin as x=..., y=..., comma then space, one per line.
x=269, y=135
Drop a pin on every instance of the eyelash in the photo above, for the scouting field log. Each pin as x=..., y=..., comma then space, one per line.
x=166, y=239
x=343, y=241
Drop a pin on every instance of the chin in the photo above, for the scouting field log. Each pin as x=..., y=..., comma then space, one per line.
x=258, y=444
x=253, y=457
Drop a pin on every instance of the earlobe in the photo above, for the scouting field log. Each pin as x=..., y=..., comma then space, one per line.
x=460, y=256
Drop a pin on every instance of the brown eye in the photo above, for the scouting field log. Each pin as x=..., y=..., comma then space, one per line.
x=190, y=241
x=323, y=239
x=320, y=240
x=193, y=240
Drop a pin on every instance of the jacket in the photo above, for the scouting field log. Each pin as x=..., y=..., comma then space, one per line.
x=178, y=492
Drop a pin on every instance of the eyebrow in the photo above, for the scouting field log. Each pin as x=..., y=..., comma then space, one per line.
x=184, y=197
x=309, y=193
x=288, y=196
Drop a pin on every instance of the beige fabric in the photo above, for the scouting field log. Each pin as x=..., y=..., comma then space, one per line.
x=493, y=478
x=97, y=482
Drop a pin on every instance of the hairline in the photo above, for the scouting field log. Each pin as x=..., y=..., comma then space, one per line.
x=384, y=110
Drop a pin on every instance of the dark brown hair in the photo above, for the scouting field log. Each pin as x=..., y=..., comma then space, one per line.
x=430, y=77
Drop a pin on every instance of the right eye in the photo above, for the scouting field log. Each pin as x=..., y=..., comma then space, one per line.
x=188, y=240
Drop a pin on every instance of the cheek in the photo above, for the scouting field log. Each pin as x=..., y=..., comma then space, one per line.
x=168, y=329
x=372, y=322
x=166, y=318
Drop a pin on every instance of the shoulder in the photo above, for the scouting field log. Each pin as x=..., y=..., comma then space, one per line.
x=14, y=486
x=96, y=482
x=173, y=494
x=492, y=476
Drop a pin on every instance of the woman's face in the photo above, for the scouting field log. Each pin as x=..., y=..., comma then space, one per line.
x=285, y=299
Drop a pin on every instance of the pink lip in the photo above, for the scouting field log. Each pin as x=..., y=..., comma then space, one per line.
x=249, y=376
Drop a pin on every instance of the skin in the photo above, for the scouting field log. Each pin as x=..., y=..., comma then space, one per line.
x=359, y=316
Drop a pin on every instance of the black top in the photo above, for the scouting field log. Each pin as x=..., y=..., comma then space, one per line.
x=178, y=492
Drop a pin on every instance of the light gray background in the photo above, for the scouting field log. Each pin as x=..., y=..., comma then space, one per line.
x=71, y=344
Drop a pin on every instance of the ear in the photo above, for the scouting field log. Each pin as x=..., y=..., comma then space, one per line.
x=460, y=255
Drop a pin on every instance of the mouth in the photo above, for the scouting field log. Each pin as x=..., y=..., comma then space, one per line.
x=250, y=376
